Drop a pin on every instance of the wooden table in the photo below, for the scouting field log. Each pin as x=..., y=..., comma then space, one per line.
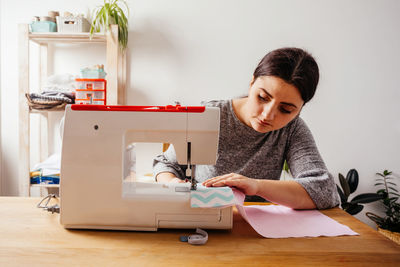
x=32, y=237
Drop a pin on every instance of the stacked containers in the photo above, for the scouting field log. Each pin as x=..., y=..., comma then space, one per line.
x=91, y=91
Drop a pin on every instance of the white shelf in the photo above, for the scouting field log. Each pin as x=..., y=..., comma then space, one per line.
x=116, y=77
x=46, y=185
x=56, y=37
x=44, y=111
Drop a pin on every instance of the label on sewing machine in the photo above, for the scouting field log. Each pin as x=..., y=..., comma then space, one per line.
x=182, y=189
x=168, y=108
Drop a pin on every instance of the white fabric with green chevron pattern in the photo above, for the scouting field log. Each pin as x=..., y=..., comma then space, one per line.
x=211, y=197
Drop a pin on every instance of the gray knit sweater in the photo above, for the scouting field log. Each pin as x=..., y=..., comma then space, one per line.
x=257, y=155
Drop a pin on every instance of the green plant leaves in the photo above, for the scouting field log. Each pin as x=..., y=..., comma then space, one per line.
x=366, y=198
x=354, y=209
x=112, y=13
x=345, y=185
x=349, y=186
x=285, y=166
x=386, y=173
x=343, y=199
x=392, y=208
x=352, y=180
x=394, y=189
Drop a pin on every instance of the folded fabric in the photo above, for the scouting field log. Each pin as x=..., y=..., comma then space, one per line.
x=275, y=221
x=49, y=167
x=62, y=82
x=53, y=96
x=211, y=197
x=44, y=104
x=272, y=221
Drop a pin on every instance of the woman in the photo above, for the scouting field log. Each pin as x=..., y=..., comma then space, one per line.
x=259, y=132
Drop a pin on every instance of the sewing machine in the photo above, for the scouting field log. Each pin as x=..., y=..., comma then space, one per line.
x=93, y=191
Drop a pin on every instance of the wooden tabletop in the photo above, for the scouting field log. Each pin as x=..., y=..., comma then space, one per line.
x=33, y=237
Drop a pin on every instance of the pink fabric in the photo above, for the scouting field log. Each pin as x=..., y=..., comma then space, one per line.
x=275, y=221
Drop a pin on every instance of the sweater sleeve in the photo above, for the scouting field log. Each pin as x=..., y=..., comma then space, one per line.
x=167, y=162
x=308, y=168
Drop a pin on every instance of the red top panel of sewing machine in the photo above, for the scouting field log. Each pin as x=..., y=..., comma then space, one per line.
x=168, y=108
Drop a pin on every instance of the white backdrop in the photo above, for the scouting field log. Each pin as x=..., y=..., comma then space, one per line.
x=189, y=51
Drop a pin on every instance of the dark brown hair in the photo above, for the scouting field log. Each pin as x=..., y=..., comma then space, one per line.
x=293, y=65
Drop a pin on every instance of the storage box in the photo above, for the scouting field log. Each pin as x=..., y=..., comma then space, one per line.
x=72, y=24
x=43, y=26
x=93, y=74
x=91, y=91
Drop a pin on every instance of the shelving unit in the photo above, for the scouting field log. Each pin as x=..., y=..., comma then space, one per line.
x=46, y=185
x=116, y=76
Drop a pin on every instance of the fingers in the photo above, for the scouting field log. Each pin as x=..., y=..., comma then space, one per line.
x=232, y=182
x=216, y=179
x=222, y=180
x=245, y=184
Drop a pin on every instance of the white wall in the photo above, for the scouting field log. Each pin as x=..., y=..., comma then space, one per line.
x=198, y=50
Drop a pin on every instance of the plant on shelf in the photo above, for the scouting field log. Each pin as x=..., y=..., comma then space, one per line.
x=286, y=175
x=390, y=199
x=349, y=186
x=112, y=12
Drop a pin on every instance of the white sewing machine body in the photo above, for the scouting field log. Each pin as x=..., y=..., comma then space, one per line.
x=93, y=193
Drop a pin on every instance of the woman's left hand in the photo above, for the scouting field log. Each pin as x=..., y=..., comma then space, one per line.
x=247, y=185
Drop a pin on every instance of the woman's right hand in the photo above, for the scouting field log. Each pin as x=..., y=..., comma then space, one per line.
x=247, y=185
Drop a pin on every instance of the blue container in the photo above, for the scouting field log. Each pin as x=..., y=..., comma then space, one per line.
x=43, y=26
x=93, y=74
x=45, y=180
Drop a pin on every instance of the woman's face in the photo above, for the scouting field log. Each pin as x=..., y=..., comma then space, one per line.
x=272, y=104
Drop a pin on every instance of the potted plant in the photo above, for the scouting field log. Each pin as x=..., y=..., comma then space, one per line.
x=112, y=12
x=390, y=224
x=349, y=186
x=286, y=175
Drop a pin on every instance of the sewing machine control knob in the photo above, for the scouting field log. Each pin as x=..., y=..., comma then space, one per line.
x=175, y=107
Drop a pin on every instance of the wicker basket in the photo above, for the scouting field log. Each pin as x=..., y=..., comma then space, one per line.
x=391, y=235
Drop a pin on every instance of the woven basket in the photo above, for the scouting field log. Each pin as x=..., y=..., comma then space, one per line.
x=391, y=235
